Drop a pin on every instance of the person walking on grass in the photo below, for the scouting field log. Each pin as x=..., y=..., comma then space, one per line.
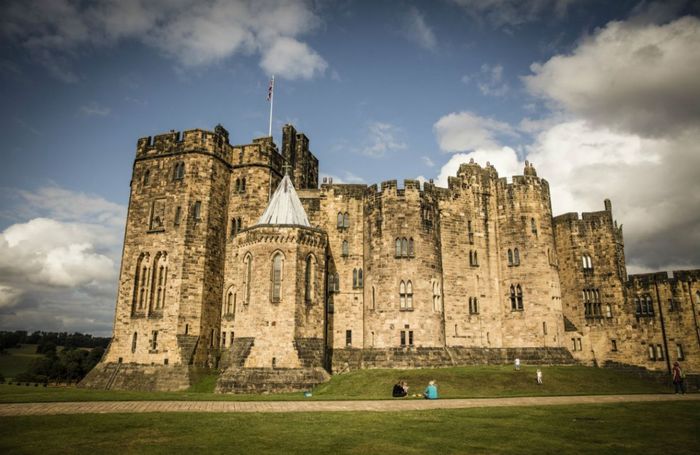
x=431, y=392
x=539, y=376
x=677, y=374
x=517, y=364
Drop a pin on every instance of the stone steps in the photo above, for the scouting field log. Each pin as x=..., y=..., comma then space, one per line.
x=268, y=380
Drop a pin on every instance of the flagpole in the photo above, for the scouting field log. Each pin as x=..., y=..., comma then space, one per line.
x=272, y=101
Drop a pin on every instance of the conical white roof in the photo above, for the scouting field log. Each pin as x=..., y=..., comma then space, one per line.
x=285, y=207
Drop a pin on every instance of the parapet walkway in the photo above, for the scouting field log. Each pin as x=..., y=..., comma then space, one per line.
x=109, y=407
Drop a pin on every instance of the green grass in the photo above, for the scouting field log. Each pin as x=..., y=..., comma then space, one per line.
x=458, y=382
x=666, y=427
x=17, y=360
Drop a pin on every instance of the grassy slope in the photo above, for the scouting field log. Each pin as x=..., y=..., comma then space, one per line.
x=459, y=382
x=621, y=428
x=17, y=360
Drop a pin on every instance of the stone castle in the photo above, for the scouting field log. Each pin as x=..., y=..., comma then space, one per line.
x=235, y=259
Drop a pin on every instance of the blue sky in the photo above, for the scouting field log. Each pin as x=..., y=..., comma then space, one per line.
x=602, y=97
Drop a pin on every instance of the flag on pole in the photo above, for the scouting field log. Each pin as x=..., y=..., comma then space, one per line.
x=271, y=88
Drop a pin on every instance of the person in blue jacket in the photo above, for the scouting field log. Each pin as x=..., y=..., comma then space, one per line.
x=431, y=392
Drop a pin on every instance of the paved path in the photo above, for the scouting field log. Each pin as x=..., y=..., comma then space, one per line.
x=107, y=407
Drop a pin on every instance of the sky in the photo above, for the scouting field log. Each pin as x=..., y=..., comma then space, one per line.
x=603, y=97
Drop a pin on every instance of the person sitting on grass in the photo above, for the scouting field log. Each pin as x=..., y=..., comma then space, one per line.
x=400, y=389
x=431, y=392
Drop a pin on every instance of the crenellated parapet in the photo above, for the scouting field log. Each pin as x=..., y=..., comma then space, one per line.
x=176, y=142
x=279, y=234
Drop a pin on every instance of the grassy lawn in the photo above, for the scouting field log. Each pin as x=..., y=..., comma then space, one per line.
x=458, y=382
x=17, y=360
x=621, y=428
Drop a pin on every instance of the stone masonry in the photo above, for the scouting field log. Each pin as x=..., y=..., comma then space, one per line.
x=381, y=276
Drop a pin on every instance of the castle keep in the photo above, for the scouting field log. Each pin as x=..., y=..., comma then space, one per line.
x=235, y=259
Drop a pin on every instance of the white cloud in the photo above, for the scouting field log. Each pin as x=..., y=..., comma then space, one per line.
x=505, y=160
x=382, y=138
x=502, y=13
x=94, y=110
x=459, y=132
x=191, y=32
x=293, y=60
x=639, y=78
x=427, y=161
x=489, y=80
x=417, y=30
x=59, y=268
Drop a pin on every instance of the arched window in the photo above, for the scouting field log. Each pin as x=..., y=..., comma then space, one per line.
x=409, y=294
x=138, y=285
x=587, y=262
x=346, y=220
x=345, y=249
x=158, y=281
x=650, y=306
x=309, y=279
x=133, y=342
x=513, y=300
x=360, y=279
x=533, y=226
x=608, y=310
x=402, y=295
x=248, y=267
x=519, y=296
x=404, y=247
x=510, y=257
x=146, y=177
x=411, y=252
x=331, y=282
x=340, y=220
x=516, y=257
x=437, y=304
x=276, y=285
x=398, y=248
x=354, y=278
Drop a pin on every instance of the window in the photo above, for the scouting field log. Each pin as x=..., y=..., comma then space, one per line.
x=533, y=226
x=346, y=220
x=402, y=295
x=473, y=305
x=404, y=247
x=348, y=338
x=360, y=279
x=276, y=277
x=146, y=177
x=544, y=328
x=406, y=338
x=652, y=352
x=339, y=224
x=513, y=300
x=519, y=296
x=154, y=340
x=354, y=278
x=578, y=344
x=133, y=342
x=345, y=249
x=679, y=352
x=331, y=282
x=179, y=171
x=587, y=262
x=608, y=310
x=473, y=259
x=659, y=352
x=470, y=232
x=230, y=305
x=510, y=257
x=410, y=247
x=437, y=303
x=409, y=295
x=140, y=276
x=238, y=186
x=613, y=345
x=160, y=271
x=248, y=266
x=516, y=257
x=397, y=253
x=197, y=210
x=178, y=215
x=673, y=305
x=243, y=185
x=310, y=280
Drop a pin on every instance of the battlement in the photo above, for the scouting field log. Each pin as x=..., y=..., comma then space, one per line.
x=196, y=140
x=592, y=219
x=352, y=190
x=645, y=279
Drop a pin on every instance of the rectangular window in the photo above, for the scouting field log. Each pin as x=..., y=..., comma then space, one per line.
x=410, y=337
x=578, y=344
x=197, y=212
x=613, y=345
x=403, y=338
x=348, y=338
x=178, y=214
x=154, y=340
x=573, y=344
x=652, y=354
x=659, y=352
x=223, y=339
x=679, y=352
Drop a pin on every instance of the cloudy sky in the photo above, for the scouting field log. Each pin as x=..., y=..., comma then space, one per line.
x=603, y=97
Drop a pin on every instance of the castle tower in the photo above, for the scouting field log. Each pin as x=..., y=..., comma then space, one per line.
x=274, y=316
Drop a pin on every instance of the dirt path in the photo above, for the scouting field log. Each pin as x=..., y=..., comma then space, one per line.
x=106, y=407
